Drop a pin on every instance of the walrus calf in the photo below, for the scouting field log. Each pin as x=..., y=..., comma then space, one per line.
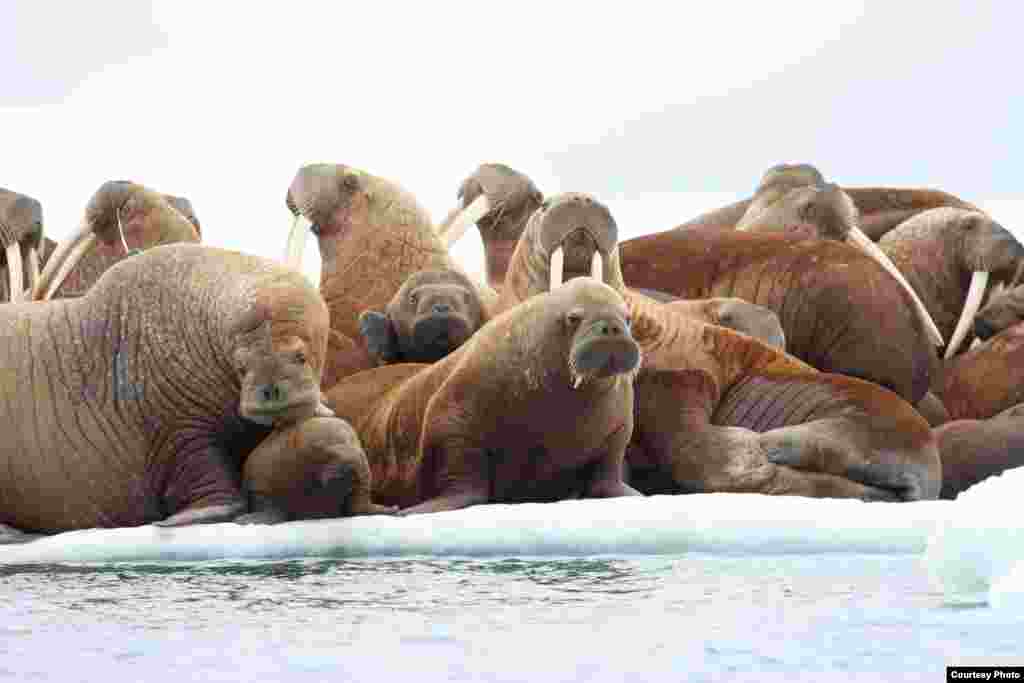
x=433, y=313
x=536, y=406
x=138, y=401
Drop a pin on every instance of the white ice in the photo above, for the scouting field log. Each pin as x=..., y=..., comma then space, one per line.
x=967, y=550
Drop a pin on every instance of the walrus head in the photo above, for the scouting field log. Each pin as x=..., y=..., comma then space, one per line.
x=1003, y=310
x=279, y=344
x=118, y=211
x=183, y=206
x=21, y=237
x=433, y=313
x=776, y=183
x=572, y=235
x=329, y=200
x=598, y=323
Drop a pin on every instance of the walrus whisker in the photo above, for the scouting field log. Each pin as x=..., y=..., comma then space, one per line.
x=557, y=267
x=469, y=215
x=979, y=280
x=597, y=267
x=14, y=272
x=297, y=237
x=857, y=238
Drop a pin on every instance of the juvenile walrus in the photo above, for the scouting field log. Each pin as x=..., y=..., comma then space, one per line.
x=432, y=314
x=138, y=401
x=536, y=406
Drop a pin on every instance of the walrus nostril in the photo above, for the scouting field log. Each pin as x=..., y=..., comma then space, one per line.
x=272, y=393
x=983, y=329
x=441, y=308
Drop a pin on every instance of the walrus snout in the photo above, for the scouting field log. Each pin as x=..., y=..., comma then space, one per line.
x=603, y=347
x=565, y=214
x=436, y=335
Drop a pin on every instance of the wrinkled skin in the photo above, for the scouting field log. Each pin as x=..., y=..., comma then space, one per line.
x=21, y=223
x=372, y=235
x=720, y=411
x=145, y=217
x=939, y=250
x=973, y=450
x=313, y=469
x=487, y=423
x=1002, y=312
x=138, y=401
x=985, y=380
x=183, y=206
x=431, y=315
x=881, y=208
x=871, y=331
x=735, y=314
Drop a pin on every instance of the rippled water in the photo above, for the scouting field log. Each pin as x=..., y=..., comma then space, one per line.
x=768, y=618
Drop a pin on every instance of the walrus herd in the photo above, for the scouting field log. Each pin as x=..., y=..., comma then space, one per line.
x=813, y=340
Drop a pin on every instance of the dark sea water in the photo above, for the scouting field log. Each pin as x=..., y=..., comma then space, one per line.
x=693, y=617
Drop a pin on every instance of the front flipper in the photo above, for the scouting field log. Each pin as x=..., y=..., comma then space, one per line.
x=9, y=535
x=210, y=514
x=608, y=479
x=203, y=488
x=381, y=340
x=459, y=473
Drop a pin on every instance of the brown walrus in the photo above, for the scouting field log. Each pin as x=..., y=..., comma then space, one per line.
x=536, y=406
x=881, y=208
x=135, y=217
x=986, y=379
x=720, y=411
x=22, y=245
x=138, y=401
x=373, y=234
x=973, y=450
x=1003, y=310
x=432, y=314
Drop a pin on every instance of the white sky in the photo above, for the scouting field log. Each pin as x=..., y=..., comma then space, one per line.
x=661, y=115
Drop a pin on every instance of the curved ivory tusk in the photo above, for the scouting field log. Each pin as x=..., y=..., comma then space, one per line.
x=33, y=267
x=15, y=272
x=974, y=295
x=864, y=243
x=297, y=237
x=59, y=255
x=450, y=233
x=597, y=267
x=557, y=267
x=73, y=259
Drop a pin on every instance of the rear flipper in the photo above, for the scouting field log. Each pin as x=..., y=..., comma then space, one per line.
x=10, y=535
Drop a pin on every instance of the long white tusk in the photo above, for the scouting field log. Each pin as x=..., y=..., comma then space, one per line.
x=974, y=294
x=975, y=344
x=15, y=273
x=452, y=231
x=597, y=267
x=557, y=267
x=73, y=259
x=297, y=237
x=864, y=243
x=59, y=255
x=33, y=267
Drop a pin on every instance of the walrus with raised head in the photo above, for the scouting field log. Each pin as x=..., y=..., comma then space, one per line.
x=720, y=411
x=22, y=245
x=536, y=406
x=139, y=401
x=432, y=314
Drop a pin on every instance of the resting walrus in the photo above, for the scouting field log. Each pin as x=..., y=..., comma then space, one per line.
x=137, y=402
x=536, y=406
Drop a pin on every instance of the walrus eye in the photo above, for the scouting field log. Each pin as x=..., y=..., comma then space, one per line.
x=240, y=369
x=574, y=318
x=300, y=357
x=414, y=298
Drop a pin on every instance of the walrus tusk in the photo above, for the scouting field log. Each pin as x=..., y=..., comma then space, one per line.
x=33, y=267
x=452, y=232
x=1017, y=276
x=597, y=267
x=64, y=258
x=557, y=267
x=323, y=411
x=15, y=272
x=975, y=344
x=858, y=239
x=297, y=237
x=974, y=294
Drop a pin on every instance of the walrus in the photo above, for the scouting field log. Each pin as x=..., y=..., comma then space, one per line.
x=432, y=314
x=136, y=217
x=137, y=402
x=488, y=422
x=1003, y=309
x=21, y=244
x=973, y=450
x=721, y=411
x=880, y=208
x=373, y=234
x=984, y=380
x=736, y=314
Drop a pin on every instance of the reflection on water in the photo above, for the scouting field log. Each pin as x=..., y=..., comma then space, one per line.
x=780, y=618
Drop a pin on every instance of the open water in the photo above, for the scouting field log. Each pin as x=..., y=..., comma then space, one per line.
x=832, y=617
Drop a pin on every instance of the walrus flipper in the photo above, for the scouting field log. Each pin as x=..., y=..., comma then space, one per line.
x=381, y=340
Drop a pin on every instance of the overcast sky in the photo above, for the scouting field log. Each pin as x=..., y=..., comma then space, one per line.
x=661, y=114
